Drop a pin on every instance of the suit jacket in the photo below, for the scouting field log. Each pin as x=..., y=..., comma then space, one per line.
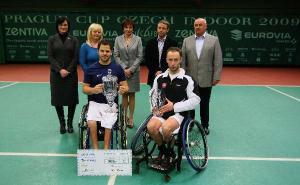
x=64, y=91
x=131, y=56
x=152, y=57
x=208, y=66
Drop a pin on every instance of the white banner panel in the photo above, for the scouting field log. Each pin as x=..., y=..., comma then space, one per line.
x=104, y=162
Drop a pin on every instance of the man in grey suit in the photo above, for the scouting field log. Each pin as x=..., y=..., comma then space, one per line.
x=202, y=59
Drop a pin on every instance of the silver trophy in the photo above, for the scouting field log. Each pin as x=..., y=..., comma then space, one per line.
x=110, y=88
x=157, y=99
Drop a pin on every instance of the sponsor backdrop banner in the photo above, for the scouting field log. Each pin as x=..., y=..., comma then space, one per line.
x=245, y=39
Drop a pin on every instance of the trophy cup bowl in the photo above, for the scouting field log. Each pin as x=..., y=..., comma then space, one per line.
x=110, y=88
x=157, y=100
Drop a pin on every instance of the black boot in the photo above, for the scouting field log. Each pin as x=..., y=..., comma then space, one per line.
x=71, y=111
x=61, y=117
x=70, y=126
x=62, y=123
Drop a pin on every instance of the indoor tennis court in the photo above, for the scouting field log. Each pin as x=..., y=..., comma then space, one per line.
x=254, y=138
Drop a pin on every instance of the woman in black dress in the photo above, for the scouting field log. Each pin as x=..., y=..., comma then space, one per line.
x=63, y=57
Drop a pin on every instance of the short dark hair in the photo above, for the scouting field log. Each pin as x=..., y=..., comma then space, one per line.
x=60, y=20
x=105, y=43
x=165, y=22
x=175, y=49
x=127, y=22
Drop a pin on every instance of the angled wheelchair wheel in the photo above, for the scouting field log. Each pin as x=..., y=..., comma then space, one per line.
x=84, y=133
x=137, y=144
x=195, y=144
x=123, y=127
x=85, y=144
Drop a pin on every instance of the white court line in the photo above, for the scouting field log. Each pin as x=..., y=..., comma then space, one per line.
x=256, y=159
x=291, y=159
x=2, y=87
x=280, y=92
x=111, y=180
x=254, y=85
x=27, y=82
x=36, y=154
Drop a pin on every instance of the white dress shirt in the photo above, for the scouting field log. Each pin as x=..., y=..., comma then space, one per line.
x=160, y=44
x=199, y=44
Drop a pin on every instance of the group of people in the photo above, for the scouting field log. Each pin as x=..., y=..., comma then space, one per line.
x=186, y=76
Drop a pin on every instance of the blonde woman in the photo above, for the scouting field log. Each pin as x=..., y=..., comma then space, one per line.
x=89, y=50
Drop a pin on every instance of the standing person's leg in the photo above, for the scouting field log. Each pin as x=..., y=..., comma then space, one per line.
x=71, y=112
x=205, y=93
x=131, y=108
x=61, y=118
x=125, y=103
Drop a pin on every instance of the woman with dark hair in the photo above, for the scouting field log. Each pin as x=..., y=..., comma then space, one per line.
x=63, y=58
x=128, y=52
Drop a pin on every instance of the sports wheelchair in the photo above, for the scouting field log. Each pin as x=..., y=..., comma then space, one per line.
x=119, y=127
x=189, y=139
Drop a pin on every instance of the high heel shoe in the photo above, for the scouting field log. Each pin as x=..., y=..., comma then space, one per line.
x=130, y=123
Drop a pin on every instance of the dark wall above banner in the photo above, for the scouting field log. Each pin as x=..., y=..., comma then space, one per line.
x=245, y=39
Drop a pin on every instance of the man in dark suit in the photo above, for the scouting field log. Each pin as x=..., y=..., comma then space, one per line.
x=202, y=59
x=156, y=51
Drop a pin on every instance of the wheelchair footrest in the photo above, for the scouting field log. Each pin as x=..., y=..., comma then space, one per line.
x=161, y=168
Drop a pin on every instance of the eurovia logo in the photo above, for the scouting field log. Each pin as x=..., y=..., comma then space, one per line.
x=278, y=37
x=236, y=34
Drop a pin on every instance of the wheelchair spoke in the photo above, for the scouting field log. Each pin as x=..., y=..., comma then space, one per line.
x=123, y=127
x=137, y=145
x=83, y=129
x=86, y=144
x=196, y=146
